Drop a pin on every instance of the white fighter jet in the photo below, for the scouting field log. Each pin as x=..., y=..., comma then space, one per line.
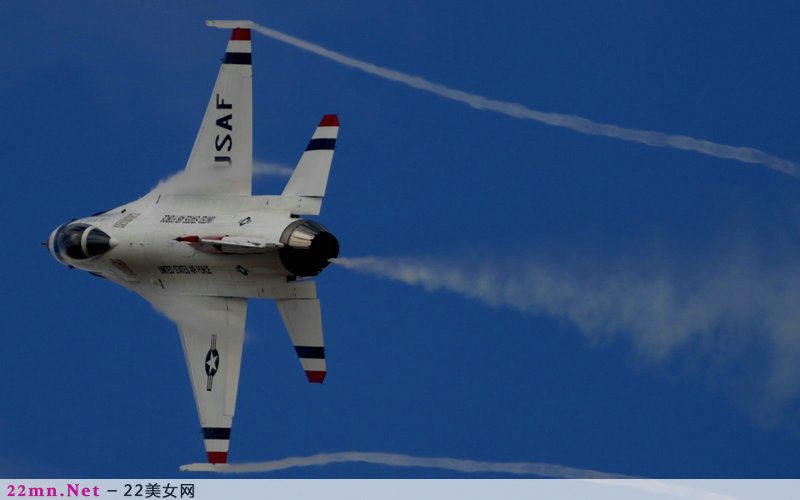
x=200, y=246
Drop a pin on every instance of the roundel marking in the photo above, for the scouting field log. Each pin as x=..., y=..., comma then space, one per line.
x=212, y=362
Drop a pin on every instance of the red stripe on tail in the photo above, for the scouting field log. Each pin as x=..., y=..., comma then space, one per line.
x=316, y=377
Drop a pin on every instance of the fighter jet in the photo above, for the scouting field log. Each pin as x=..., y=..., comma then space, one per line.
x=198, y=247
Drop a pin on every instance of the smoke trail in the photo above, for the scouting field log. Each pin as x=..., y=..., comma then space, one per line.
x=271, y=169
x=188, y=182
x=576, y=123
x=397, y=460
x=733, y=312
x=468, y=466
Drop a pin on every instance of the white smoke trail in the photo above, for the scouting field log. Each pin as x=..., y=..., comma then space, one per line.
x=188, y=182
x=271, y=169
x=469, y=466
x=576, y=123
x=721, y=312
x=397, y=460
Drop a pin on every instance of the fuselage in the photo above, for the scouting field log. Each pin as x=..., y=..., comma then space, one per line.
x=233, y=246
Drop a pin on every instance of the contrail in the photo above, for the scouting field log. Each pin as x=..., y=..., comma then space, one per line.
x=735, y=312
x=573, y=122
x=397, y=460
x=468, y=466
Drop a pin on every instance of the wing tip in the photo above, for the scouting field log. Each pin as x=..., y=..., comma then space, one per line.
x=329, y=121
x=241, y=28
x=230, y=23
x=204, y=467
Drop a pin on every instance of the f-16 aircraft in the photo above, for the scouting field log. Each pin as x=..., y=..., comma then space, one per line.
x=198, y=249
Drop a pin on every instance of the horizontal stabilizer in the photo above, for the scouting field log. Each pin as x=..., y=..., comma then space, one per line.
x=310, y=177
x=303, y=320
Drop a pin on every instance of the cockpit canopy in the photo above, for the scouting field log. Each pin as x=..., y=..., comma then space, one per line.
x=79, y=241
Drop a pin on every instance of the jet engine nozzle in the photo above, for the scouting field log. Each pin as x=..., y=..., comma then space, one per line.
x=307, y=248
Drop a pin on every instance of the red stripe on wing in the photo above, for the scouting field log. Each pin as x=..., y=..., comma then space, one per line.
x=329, y=121
x=241, y=34
x=217, y=457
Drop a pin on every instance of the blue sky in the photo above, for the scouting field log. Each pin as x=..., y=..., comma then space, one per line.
x=671, y=353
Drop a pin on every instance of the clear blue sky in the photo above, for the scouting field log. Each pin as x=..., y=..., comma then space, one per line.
x=100, y=101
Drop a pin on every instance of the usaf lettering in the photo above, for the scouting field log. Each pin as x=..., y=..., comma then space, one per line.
x=224, y=142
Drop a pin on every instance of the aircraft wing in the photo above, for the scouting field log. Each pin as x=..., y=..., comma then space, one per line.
x=222, y=156
x=212, y=334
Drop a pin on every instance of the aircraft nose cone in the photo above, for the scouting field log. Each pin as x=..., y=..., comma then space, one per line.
x=51, y=245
